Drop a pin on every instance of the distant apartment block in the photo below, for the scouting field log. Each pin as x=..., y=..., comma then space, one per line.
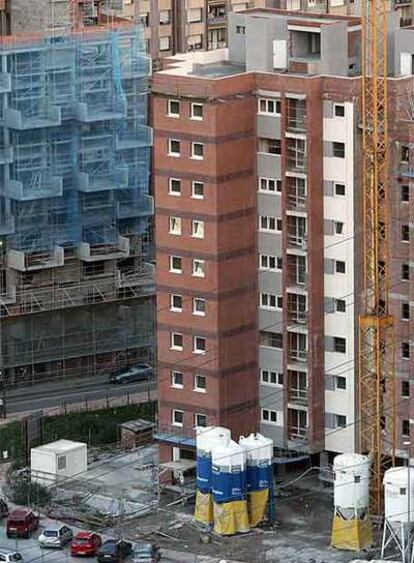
x=76, y=285
x=257, y=176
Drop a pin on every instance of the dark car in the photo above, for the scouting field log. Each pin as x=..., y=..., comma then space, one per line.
x=4, y=509
x=139, y=372
x=146, y=553
x=114, y=551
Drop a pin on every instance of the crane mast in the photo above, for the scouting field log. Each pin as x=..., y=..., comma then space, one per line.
x=376, y=393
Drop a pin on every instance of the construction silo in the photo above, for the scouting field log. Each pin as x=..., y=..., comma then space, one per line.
x=259, y=476
x=351, y=528
x=229, y=489
x=399, y=511
x=207, y=437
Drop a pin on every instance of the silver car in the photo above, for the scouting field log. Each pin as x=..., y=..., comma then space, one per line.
x=139, y=372
x=10, y=555
x=55, y=536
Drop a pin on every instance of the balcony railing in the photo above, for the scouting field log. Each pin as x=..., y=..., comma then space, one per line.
x=298, y=355
x=296, y=241
x=297, y=316
x=296, y=124
x=299, y=396
x=297, y=201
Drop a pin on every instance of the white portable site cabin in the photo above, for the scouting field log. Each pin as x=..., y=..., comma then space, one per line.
x=58, y=461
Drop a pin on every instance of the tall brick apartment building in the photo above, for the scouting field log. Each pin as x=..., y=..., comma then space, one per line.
x=259, y=231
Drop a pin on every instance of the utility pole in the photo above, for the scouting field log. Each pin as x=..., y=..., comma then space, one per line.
x=2, y=373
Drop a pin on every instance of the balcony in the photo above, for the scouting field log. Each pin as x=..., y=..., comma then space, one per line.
x=105, y=251
x=296, y=118
x=134, y=139
x=217, y=20
x=298, y=396
x=406, y=170
x=297, y=316
x=25, y=262
x=297, y=355
x=297, y=242
x=6, y=155
x=296, y=201
x=15, y=119
x=143, y=207
x=101, y=180
x=88, y=113
x=39, y=186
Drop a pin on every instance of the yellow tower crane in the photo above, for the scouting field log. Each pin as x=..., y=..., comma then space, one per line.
x=376, y=393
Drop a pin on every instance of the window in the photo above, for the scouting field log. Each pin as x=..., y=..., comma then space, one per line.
x=339, y=110
x=271, y=339
x=270, y=185
x=176, y=302
x=173, y=147
x=165, y=17
x=177, y=379
x=268, y=301
x=340, y=382
x=405, y=233
x=270, y=146
x=405, y=311
x=267, y=223
x=339, y=189
x=240, y=29
x=165, y=43
x=271, y=377
x=405, y=350
x=199, y=307
x=340, y=305
x=174, y=186
x=198, y=190
x=199, y=345
x=268, y=262
x=340, y=421
x=196, y=112
x=61, y=462
x=200, y=383
x=199, y=268
x=405, y=153
x=177, y=341
x=279, y=225
x=197, y=229
x=405, y=389
x=176, y=264
x=405, y=272
x=175, y=226
x=405, y=193
x=406, y=428
x=197, y=151
x=267, y=106
x=269, y=416
x=177, y=418
x=173, y=108
x=338, y=149
x=339, y=345
x=194, y=15
x=200, y=419
x=338, y=227
x=340, y=267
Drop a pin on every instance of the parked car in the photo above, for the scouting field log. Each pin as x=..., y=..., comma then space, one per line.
x=114, y=551
x=21, y=523
x=139, y=372
x=4, y=509
x=146, y=553
x=55, y=536
x=85, y=543
x=8, y=555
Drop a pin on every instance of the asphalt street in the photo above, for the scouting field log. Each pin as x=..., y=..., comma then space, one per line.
x=75, y=391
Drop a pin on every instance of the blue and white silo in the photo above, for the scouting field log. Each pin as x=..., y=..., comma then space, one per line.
x=207, y=438
x=229, y=489
x=259, y=475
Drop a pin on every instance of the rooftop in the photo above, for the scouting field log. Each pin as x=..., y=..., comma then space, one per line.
x=303, y=17
x=60, y=446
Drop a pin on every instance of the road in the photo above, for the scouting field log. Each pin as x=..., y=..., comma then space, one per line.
x=51, y=395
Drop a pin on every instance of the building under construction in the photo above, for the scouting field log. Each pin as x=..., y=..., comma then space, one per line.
x=76, y=283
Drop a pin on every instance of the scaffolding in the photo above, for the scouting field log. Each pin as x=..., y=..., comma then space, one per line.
x=75, y=207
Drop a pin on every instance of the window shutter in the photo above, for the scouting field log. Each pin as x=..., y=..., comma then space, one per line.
x=329, y=305
x=328, y=227
x=329, y=344
x=328, y=188
x=329, y=420
x=329, y=382
x=327, y=148
x=328, y=108
x=329, y=266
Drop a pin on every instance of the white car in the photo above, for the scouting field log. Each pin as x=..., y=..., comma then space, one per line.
x=55, y=536
x=10, y=555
